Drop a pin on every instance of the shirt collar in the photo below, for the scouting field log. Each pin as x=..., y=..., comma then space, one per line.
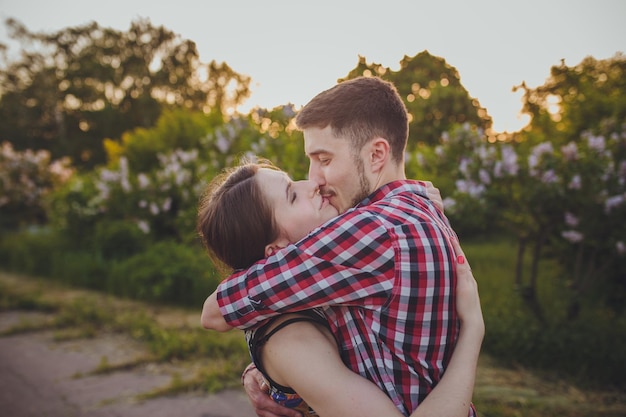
x=394, y=188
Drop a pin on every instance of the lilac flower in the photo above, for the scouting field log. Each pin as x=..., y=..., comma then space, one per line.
x=464, y=167
x=621, y=173
x=620, y=247
x=570, y=151
x=222, y=142
x=143, y=226
x=143, y=180
x=288, y=111
x=509, y=160
x=613, y=202
x=484, y=177
x=571, y=220
x=470, y=187
x=167, y=204
x=572, y=236
x=596, y=143
x=575, y=183
x=550, y=177
x=449, y=203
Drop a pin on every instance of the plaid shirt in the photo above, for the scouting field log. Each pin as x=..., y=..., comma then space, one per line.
x=384, y=273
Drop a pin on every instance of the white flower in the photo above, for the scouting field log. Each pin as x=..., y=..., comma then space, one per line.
x=144, y=181
x=613, y=202
x=154, y=209
x=575, y=183
x=509, y=160
x=464, y=167
x=222, y=142
x=570, y=151
x=470, y=187
x=420, y=159
x=449, y=203
x=571, y=220
x=543, y=148
x=597, y=143
x=167, y=204
x=484, y=177
x=288, y=111
x=549, y=177
x=572, y=236
x=143, y=226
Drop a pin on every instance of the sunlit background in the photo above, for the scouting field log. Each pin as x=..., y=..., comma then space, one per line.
x=293, y=50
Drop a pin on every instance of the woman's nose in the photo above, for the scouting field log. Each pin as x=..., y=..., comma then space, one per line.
x=310, y=187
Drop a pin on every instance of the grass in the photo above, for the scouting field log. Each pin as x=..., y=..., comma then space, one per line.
x=213, y=362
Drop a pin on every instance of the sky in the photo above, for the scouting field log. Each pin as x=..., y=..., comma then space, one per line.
x=293, y=49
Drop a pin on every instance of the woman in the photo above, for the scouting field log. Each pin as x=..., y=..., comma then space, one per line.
x=254, y=210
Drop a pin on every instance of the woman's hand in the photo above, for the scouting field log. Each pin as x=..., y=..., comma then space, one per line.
x=264, y=406
x=434, y=195
x=467, y=297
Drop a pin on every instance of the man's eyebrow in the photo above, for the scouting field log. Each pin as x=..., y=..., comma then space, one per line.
x=317, y=152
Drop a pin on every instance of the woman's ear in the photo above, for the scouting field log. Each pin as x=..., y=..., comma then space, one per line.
x=276, y=245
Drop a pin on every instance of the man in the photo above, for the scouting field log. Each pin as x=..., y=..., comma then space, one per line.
x=383, y=271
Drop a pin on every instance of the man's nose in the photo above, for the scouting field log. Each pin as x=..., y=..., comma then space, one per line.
x=316, y=176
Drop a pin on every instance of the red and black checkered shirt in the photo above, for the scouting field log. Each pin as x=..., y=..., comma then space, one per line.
x=383, y=273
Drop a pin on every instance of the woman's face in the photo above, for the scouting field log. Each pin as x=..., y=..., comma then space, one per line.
x=298, y=206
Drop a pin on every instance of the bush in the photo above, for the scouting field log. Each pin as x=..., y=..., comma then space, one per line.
x=29, y=252
x=119, y=239
x=168, y=272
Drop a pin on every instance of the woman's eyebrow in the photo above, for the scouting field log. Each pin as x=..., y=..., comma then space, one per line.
x=287, y=189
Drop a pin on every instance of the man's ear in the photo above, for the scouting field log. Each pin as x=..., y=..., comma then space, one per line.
x=379, y=153
x=276, y=245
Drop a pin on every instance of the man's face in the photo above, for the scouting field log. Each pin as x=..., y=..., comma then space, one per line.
x=332, y=165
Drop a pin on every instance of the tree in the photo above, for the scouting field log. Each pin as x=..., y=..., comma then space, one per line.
x=83, y=84
x=577, y=99
x=434, y=96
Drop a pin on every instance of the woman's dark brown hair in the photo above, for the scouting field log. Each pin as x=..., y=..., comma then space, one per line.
x=235, y=221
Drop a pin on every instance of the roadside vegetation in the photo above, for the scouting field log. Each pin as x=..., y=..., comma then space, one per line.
x=213, y=361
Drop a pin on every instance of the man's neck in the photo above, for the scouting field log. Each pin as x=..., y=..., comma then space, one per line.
x=391, y=174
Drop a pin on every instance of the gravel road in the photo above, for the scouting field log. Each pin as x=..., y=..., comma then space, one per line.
x=44, y=377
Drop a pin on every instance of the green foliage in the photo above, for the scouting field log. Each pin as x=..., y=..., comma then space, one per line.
x=31, y=251
x=167, y=271
x=71, y=89
x=118, y=239
x=590, y=349
x=573, y=100
x=434, y=96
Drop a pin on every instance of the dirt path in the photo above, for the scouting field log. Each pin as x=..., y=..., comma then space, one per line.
x=42, y=377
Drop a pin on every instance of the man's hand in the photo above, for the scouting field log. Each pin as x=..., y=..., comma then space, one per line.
x=264, y=406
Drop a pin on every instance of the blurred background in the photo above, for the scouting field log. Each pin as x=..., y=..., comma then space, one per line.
x=114, y=116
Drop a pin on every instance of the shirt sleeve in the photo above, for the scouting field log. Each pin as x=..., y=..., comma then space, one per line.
x=349, y=261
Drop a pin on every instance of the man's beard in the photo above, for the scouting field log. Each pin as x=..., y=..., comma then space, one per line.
x=364, y=184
